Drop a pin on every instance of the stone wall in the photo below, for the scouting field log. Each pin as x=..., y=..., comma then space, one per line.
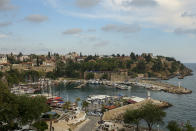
x=119, y=76
x=36, y=68
x=113, y=76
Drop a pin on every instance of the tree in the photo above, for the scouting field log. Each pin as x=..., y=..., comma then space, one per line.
x=85, y=105
x=81, y=54
x=173, y=126
x=158, y=66
x=113, y=55
x=132, y=55
x=20, y=54
x=174, y=67
x=90, y=75
x=67, y=105
x=77, y=100
x=188, y=126
x=13, y=77
x=37, y=61
x=133, y=117
x=51, y=75
x=19, y=110
x=49, y=55
x=105, y=76
x=8, y=108
x=40, y=125
x=152, y=114
x=140, y=68
x=148, y=58
x=30, y=109
x=1, y=74
x=32, y=75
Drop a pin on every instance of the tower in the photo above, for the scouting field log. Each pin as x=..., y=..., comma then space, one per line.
x=179, y=85
x=148, y=95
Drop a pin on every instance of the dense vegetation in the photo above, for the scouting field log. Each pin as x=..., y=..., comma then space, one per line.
x=15, y=77
x=19, y=110
x=152, y=115
x=174, y=126
x=160, y=66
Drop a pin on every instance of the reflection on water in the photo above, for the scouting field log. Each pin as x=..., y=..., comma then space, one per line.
x=183, y=109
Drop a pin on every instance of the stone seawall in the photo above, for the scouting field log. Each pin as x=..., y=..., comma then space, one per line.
x=117, y=114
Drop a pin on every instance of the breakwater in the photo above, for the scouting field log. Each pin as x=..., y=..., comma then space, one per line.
x=151, y=85
x=117, y=114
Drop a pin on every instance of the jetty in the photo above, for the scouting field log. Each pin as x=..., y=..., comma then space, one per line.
x=160, y=86
x=117, y=113
x=126, y=85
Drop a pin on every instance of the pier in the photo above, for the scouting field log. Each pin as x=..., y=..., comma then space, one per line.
x=125, y=85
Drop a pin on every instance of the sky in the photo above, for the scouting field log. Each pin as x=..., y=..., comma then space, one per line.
x=161, y=27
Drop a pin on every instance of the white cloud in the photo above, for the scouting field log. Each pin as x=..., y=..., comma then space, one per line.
x=3, y=35
x=101, y=43
x=121, y=28
x=36, y=18
x=185, y=31
x=72, y=31
x=6, y=5
x=140, y=3
x=164, y=14
x=3, y=24
x=87, y=3
x=91, y=30
x=188, y=14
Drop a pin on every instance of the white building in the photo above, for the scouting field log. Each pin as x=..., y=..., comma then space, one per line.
x=3, y=59
x=71, y=55
x=24, y=58
x=48, y=63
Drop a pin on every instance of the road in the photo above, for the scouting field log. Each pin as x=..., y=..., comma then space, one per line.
x=90, y=125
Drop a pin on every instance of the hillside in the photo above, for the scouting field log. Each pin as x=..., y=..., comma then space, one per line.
x=144, y=65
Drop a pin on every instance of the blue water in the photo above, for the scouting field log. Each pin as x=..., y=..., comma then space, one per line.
x=183, y=109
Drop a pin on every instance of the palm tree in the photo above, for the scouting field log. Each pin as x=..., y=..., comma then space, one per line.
x=77, y=100
x=84, y=105
x=67, y=105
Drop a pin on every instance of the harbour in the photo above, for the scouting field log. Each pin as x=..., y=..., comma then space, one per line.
x=181, y=110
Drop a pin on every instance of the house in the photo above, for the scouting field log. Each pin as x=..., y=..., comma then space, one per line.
x=79, y=59
x=23, y=58
x=71, y=55
x=3, y=59
x=48, y=63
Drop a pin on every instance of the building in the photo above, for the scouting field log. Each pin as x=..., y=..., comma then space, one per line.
x=48, y=63
x=3, y=59
x=23, y=58
x=71, y=55
x=79, y=59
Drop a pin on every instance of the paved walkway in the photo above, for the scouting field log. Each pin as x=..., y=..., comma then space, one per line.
x=89, y=124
